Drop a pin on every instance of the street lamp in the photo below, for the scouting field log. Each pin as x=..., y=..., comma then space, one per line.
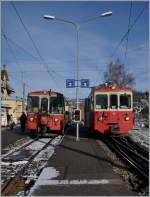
x=77, y=27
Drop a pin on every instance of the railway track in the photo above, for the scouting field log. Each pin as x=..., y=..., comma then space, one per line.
x=18, y=149
x=16, y=183
x=134, y=156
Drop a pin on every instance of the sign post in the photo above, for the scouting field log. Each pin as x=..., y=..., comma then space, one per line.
x=84, y=83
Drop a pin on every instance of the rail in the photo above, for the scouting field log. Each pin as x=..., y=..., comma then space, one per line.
x=131, y=155
x=17, y=183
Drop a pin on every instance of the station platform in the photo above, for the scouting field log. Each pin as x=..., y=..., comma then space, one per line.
x=79, y=168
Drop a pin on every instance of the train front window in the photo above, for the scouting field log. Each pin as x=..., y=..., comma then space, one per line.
x=113, y=101
x=57, y=105
x=101, y=101
x=33, y=104
x=125, y=101
x=44, y=105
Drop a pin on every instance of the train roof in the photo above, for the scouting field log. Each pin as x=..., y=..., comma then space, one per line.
x=44, y=92
x=111, y=89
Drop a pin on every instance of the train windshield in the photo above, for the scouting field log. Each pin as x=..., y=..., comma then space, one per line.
x=33, y=104
x=57, y=105
x=125, y=101
x=44, y=105
x=101, y=101
x=113, y=101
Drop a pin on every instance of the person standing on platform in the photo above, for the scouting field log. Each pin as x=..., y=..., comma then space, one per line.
x=11, y=122
x=8, y=119
x=23, y=120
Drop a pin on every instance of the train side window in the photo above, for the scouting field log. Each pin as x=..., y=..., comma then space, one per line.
x=44, y=105
x=101, y=101
x=125, y=101
x=113, y=101
x=92, y=102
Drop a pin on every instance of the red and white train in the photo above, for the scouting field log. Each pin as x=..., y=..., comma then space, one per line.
x=45, y=112
x=109, y=110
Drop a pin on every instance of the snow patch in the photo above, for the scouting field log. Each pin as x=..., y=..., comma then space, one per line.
x=14, y=148
x=38, y=145
x=45, y=154
x=57, y=140
x=47, y=174
x=14, y=163
x=141, y=137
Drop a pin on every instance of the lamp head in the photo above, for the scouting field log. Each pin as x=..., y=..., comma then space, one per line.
x=106, y=14
x=49, y=17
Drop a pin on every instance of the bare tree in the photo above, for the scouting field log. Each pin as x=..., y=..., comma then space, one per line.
x=117, y=74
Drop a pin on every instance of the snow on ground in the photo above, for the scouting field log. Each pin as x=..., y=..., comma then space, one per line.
x=37, y=145
x=140, y=136
x=45, y=154
x=15, y=162
x=57, y=140
x=17, y=147
x=48, y=174
x=9, y=169
x=39, y=163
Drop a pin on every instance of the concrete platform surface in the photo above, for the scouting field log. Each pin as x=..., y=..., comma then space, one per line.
x=79, y=168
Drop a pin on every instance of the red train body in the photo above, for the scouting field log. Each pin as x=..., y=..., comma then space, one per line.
x=109, y=110
x=45, y=112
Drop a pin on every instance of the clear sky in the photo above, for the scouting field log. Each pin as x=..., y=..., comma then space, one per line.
x=56, y=43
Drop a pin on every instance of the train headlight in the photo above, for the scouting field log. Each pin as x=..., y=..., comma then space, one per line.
x=56, y=119
x=31, y=119
x=127, y=118
x=100, y=118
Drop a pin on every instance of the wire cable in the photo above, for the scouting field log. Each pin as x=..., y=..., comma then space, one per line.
x=131, y=27
x=17, y=45
x=12, y=53
x=42, y=61
x=127, y=38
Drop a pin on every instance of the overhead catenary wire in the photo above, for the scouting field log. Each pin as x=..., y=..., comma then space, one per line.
x=27, y=52
x=13, y=54
x=126, y=34
x=131, y=27
x=42, y=61
x=15, y=79
x=19, y=46
x=127, y=38
x=16, y=61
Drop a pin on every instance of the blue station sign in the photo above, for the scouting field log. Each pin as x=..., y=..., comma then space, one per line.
x=85, y=83
x=70, y=83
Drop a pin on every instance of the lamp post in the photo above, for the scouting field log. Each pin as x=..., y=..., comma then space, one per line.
x=77, y=27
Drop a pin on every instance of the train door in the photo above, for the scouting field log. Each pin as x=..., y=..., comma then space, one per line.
x=43, y=114
x=87, y=111
x=113, y=106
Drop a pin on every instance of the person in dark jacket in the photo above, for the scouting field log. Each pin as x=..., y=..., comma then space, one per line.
x=8, y=119
x=23, y=120
x=11, y=122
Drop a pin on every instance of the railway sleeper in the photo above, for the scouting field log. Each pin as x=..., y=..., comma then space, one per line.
x=134, y=181
x=13, y=186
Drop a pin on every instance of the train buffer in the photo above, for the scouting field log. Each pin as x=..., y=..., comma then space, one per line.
x=79, y=168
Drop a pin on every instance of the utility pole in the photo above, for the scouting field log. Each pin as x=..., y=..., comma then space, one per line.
x=23, y=98
x=77, y=28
